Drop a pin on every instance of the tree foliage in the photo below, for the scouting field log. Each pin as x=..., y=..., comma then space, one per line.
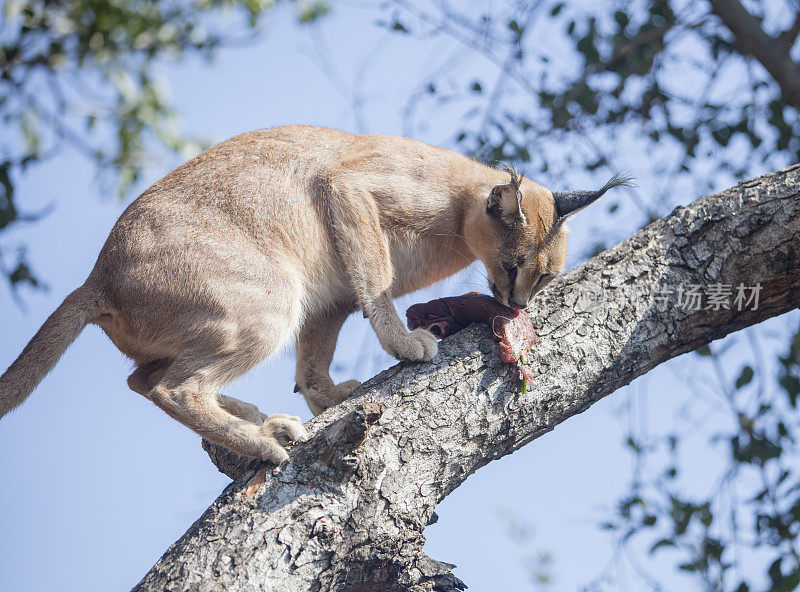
x=551, y=85
x=584, y=85
x=82, y=74
x=742, y=534
x=580, y=84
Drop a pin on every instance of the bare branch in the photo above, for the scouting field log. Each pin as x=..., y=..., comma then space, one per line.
x=789, y=36
x=768, y=50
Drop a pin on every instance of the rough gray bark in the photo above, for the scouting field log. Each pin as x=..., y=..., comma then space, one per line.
x=349, y=510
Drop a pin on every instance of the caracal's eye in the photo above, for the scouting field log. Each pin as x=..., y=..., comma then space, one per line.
x=511, y=270
x=543, y=281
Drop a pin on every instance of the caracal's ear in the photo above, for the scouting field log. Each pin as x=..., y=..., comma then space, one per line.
x=505, y=201
x=570, y=202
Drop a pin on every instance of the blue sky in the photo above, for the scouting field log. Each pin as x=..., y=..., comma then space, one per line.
x=98, y=482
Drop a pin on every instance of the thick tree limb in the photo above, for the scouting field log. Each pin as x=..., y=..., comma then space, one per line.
x=348, y=512
x=771, y=52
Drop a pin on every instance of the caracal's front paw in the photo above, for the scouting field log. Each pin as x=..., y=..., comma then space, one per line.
x=417, y=346
x=278, y=430
x=319, y=401
x=344, y=389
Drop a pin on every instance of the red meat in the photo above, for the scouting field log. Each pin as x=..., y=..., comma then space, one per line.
x=512, y=329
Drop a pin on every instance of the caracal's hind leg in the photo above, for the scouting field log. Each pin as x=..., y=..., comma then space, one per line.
x=241, y=409
x=217, y=341
x=188, y=393
x=315, y=346
x=147, y=375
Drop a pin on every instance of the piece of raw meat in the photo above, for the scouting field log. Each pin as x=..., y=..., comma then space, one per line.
x=512, y=329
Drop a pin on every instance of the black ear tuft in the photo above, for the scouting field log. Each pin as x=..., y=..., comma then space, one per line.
x=569, y=202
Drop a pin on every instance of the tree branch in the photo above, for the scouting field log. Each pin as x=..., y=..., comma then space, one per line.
x=771, y=52
x=789, y=36
x=348, y=512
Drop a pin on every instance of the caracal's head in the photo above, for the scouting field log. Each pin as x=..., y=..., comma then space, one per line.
x=521, y=237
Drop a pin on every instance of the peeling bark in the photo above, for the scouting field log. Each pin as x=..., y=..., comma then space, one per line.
x=348, y=511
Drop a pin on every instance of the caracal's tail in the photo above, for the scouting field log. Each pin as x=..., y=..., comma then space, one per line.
x=44, y=350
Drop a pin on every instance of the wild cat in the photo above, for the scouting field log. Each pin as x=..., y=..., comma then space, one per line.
x=279, y=235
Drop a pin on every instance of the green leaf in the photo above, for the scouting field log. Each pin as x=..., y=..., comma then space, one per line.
x=632, y=444
x=706, y=517
x=745, y=376
x=791, y=384
x=22, y=274
x=703, y=350
x=8, y=210
x=661, y=543
x=398, y=26
x=309, y=13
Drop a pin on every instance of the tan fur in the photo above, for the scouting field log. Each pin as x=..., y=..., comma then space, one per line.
x=279, y=235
